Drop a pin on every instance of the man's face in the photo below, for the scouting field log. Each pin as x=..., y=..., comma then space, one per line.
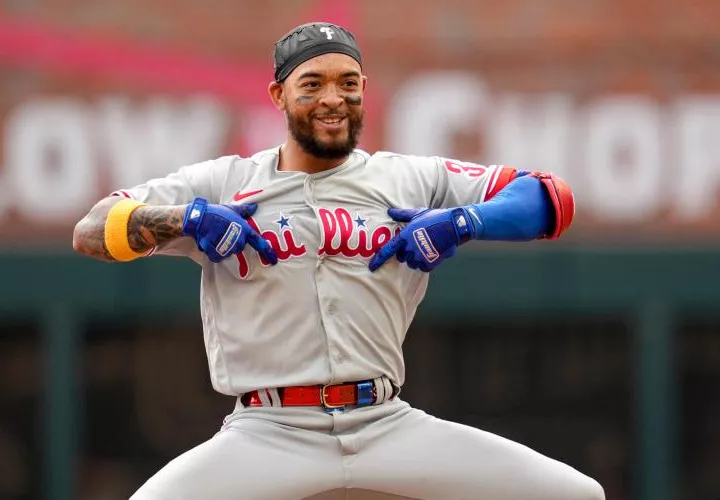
x=323, y=105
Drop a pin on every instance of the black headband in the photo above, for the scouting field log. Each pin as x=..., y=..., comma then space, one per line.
x=311, y=40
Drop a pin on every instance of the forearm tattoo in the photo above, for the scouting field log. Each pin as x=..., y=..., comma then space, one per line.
x=148, y=227
x=151, y=226
x=89, y=238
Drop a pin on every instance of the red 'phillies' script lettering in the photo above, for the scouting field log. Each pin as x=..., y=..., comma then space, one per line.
x=285, y=248
x=469, y=169
x=338, y=228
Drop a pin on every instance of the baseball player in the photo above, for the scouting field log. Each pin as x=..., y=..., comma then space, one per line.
x=315, y=256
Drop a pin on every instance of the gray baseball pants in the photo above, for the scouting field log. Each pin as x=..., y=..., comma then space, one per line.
x=386, y=451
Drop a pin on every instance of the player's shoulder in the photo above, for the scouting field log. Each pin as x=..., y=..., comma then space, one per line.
x=237, y=163
x=264, y=156
x=253, y=160
x=419, y=161
x=404, y=160
x=220, y=163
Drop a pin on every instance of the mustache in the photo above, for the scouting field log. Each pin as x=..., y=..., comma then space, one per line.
x=353, y=117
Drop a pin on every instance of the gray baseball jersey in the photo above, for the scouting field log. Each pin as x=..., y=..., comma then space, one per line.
x=320, y=315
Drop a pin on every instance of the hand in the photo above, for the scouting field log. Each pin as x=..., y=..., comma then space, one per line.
x=221, y=230
x=431, y=236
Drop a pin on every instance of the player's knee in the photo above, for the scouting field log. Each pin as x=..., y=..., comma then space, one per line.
x=593, y=490
x=578, y=486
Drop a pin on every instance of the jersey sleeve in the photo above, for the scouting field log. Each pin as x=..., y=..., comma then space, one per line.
x=461, y=183
x=180, y=188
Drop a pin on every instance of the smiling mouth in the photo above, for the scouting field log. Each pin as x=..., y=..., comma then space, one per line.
x=330, y=120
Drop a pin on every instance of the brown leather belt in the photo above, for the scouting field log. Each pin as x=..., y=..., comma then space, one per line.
x=331, y=396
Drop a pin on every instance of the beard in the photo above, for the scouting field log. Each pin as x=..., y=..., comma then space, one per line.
x=302, y=131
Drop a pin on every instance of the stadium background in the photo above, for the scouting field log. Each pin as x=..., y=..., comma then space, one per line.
x=602, y=350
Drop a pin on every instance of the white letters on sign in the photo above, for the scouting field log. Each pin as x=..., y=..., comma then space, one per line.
x=50, y=164
x=527, y=131
x=698, y=153
x=622, y=158
x=56, y=149
x=430, y=109
x=158, y=137
x=627, y=157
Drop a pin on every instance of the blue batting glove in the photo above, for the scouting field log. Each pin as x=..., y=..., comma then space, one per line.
x=221, y=230
x=431, y=236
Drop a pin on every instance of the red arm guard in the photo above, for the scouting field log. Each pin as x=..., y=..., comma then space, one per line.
x=563, y=202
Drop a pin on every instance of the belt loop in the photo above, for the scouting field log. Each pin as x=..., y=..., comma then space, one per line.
x=379, y=390
x=265, y=397
x=389, y=389
x=383, y=388
x=275, y=399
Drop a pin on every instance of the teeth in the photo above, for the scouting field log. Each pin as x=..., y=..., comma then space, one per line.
x=330, y=121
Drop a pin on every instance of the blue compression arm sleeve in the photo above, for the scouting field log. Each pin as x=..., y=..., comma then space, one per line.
x=519, y=212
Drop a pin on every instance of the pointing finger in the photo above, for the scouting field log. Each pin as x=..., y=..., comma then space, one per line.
x=404, y=214
x=262, y=246
x=244, y=210
x=387, y=251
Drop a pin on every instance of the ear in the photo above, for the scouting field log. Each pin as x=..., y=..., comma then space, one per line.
x=277, y=94
x=364, y=82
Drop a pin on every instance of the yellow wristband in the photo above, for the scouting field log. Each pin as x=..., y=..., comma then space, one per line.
x=116, y=231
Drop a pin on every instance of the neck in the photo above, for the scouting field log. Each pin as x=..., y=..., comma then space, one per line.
x=294, y=158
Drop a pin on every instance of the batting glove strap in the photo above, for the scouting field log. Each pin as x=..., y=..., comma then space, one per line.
x=193, y=216
x=463, y=223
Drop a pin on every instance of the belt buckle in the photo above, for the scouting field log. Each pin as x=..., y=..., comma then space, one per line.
x=324, y=395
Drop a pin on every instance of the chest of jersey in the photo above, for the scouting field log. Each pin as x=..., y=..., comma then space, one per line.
x=340, y=216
